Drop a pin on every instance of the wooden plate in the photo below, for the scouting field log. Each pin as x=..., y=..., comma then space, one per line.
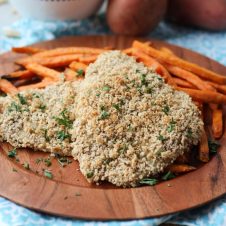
x=69, y=194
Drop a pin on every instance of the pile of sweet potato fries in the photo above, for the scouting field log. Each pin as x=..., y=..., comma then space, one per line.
x=204, y=86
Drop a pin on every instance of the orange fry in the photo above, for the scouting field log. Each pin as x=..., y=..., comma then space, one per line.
x=45, y=82
x=220, y=88
x=27, y=50
x=21, y=74
x=167, y=50
x=217, y=123
x=205, y=96
x=190, y=77
x=87, y=59
x=7, y=87
x=44, y=71
x=180, y=168
x=70, y=51
x=183, y=83
x=204, y=148
x=176, y=61
x=77, y=65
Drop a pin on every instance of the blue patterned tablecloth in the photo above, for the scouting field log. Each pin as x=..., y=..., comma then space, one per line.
x=207, y=43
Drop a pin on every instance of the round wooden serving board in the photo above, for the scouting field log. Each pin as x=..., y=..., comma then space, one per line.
x=69, y=194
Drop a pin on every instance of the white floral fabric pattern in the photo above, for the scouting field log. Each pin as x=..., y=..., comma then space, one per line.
x=208, y=43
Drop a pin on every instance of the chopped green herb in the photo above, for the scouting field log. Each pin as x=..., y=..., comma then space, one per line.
x=189, y=133
x=14, y=170
x=46, y=135
x=117, y=107
x=26, y=166
x=149, y=181
x=48, y=174
x=47, y=162
x=169, y=175
x=12, y=153
x=89, y=174
x=106, y=88
x=98, y=94
x=213, y=146
x=64, y=161
x=108, y=160
x=166, y=109
x=160, y=79
x=137, y=71
x=64, y=120
x=42, y=107
x=35, y=95
x=80, y=72
x=38, y=160
x=103, y=114
x=143, y=80
x=149, y=90
x=61, y=135
x=14, y=107
x=123, y=149
x=171, y=126
x=22, y=99
x=161, y=138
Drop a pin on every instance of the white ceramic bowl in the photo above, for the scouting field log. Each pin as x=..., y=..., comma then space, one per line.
x=56, y=9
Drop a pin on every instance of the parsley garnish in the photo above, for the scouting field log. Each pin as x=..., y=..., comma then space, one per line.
x=106, y=88
x=143, y=80
x=160, y=79
x=63, y=161
x=45, y=135
x=117, y=107
x=189, y=133
x=161, y=138
x=98, y=94
x=123, y=149
x=42, y=107
x=169, y=175
x=62, y=135
x=48, y=174
x=213, y=146
x=26, y=166
x=80, y=72
x=89, y=174
x=171, y=126
x=14, y=107
x=149, y=181
x=22, y=99
x=103, y=114
x=38, y=160
x=149, y=90
x=166, y=109
x=47, y=162
x=12, y=153
x=64, y=120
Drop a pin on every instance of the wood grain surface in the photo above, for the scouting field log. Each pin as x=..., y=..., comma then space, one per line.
x=69, y=194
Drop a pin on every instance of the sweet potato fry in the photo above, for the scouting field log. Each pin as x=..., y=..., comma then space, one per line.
x=69, y=51
x=77, y=65
x=217, y=122
x=150, y=62
x=190, y=77
x=167, y=50
x=27, y=50
x=176, y=61
x=87, y=59
x=204, y=148
x=45, y=82
x=21, y=74
x=183, y=83
x=7, y=87
x=220, y=88
x=180, y=168
x=44, y=71
x=205, y=96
